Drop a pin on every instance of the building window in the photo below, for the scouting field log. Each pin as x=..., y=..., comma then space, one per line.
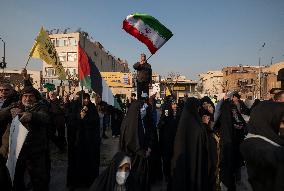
x=62, y=56
x=72, y=41
x=72, y=56
x=62, y=42
x=50, y=72
x=71, y=71
x=53, y=40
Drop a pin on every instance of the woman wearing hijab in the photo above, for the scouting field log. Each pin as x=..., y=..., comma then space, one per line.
x=232, y=128
x=213, y=144
x=84, y=153
x=167, y=130
x=137, y=139
x=190, y=160
x=263, y=148
x=115, y=176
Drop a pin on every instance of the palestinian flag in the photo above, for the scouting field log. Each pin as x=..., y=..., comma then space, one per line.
x=148, y=30
x=89, y=74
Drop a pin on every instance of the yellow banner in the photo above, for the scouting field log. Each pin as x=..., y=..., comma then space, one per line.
x=44, y=49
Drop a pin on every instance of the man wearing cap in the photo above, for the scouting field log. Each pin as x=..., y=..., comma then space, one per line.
x=8, y=97
x=144, y=75
x=34, y=155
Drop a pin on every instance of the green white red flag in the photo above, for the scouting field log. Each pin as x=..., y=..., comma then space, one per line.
x=148, y=30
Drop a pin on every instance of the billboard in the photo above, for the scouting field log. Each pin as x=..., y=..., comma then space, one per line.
x=117, y=79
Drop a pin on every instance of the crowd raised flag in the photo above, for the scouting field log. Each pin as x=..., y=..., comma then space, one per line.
x=44, y=49
x=90, y=77
x=148, y=30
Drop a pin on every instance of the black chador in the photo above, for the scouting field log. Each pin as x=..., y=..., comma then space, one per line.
x=136, y=138
x=167, y=130
x=263, y=148
x=83, y=144
x=190, y=160
x=107, y=179
x=232, y=129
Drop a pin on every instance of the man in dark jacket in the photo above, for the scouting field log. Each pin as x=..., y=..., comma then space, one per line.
x=144, y=75
x=34, y=155
x=7, y=98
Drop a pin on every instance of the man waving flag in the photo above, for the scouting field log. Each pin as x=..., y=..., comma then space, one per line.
x=148, y=30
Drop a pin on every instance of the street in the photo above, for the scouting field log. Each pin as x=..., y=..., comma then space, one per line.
x=59, y=165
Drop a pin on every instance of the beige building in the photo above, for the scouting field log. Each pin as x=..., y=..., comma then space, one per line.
x=180, y=86
x=67, y=48
x=252, y=81
x=211, y=83
x=119, y=82
x=15, y=78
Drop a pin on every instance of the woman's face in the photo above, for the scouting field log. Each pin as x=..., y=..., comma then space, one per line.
x=86, y=101
x=122, y=173
x=124, y=168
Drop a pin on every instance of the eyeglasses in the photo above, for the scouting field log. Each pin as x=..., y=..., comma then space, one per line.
x=3, y=90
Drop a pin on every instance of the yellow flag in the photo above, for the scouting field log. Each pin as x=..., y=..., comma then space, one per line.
x=44, y=49
x=168, y=92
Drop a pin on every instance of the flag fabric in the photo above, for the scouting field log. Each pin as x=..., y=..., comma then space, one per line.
x=44, y=49
x=148, y=30
x=168, y=92
x=89, y=74
x=90, y=77
x=84, y=68
x=17, y=137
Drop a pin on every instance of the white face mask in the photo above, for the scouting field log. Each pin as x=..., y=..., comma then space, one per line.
x=121, y=177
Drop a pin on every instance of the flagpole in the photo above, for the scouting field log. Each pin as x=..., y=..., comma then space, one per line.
x=28, y=62
x=149, y=57
x=82, y=96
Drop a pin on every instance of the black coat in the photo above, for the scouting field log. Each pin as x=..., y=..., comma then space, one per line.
x=37, y=141
x=144, y=72
x=264, y=160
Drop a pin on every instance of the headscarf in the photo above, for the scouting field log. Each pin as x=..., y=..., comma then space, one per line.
x=107, y=180
x=265, y=120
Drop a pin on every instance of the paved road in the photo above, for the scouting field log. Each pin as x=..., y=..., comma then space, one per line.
x=59, y=165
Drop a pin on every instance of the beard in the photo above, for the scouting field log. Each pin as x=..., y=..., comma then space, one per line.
x=28, y=104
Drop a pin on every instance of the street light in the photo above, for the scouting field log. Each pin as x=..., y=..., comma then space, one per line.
x=3, y=64
x=259, y=70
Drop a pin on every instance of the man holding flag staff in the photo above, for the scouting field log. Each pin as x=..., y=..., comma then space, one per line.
x=144, y=75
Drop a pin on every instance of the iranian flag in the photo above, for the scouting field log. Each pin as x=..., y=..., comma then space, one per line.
x=148, y=30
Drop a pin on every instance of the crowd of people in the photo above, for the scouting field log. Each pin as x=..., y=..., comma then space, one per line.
x=195, y=145
x=74, y=126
